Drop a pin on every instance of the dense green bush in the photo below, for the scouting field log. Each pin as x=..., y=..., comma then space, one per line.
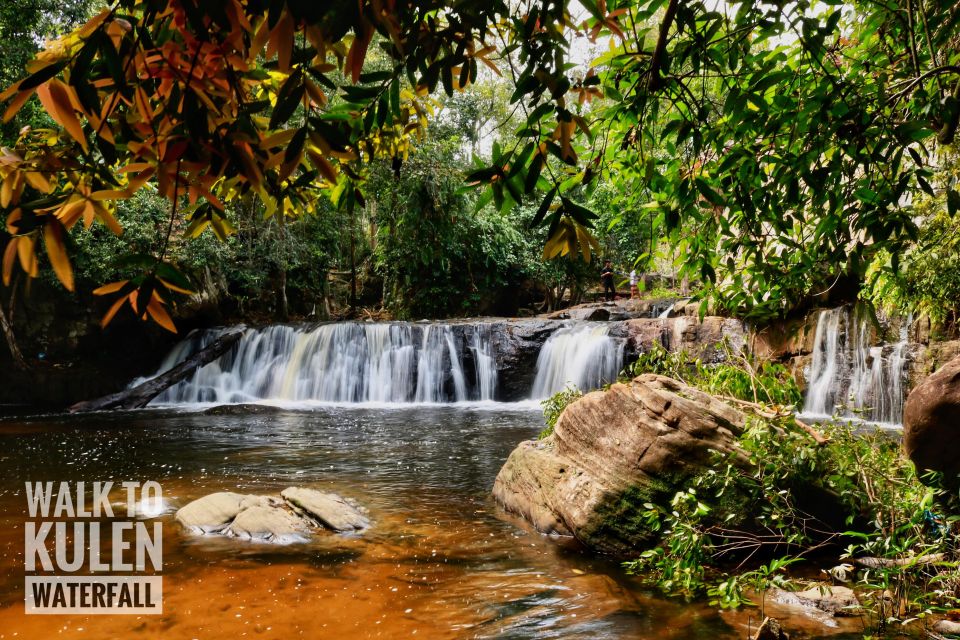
x=554, y=406
x=740, y=376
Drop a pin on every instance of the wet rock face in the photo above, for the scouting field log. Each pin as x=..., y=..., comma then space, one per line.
x=292, y=517
x=611, y=452
x=931, y=421
x=517, y=345
x=700, y=338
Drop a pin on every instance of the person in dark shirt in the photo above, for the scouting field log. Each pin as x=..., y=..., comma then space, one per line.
x=606, y=279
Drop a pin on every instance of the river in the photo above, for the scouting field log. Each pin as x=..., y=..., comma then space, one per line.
x=440, y=561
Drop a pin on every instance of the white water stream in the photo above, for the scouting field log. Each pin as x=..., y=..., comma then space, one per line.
x=852, y=378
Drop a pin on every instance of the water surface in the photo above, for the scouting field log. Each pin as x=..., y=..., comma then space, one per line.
x=441, y=560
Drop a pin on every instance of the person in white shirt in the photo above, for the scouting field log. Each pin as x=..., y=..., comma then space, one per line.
x=634, y=279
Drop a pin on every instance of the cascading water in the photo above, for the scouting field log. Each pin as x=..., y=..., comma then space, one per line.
x=850, y=376
x=343, y=362
x=585, y=356
x=823, y=379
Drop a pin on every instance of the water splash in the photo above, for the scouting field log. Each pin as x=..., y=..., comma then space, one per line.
x=583, y=355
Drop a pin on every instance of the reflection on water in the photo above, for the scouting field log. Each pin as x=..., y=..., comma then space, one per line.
x=441, y=561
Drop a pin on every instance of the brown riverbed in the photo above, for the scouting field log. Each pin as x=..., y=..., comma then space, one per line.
x=441, y=560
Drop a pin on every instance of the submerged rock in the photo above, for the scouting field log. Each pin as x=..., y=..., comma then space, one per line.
x=293, y=516
x=931, y=421
x=836, y=601
x=331, y=510
x=610, y=453
x=244, y=409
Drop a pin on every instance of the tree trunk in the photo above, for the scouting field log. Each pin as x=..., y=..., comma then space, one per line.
x=11, y=339
x=140, y=395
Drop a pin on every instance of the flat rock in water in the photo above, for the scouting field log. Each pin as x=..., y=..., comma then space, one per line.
x=835, y=600
x=213, y=512
x=333, y=511
x=244, y=409
x=268, y=522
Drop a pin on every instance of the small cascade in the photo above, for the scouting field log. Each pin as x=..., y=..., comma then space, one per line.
x=484, y=365
x=343, y=362
x=850, y=375
x=823, y=383
x=583, y=355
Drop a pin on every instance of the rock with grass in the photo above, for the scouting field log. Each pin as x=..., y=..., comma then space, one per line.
x=610, y=453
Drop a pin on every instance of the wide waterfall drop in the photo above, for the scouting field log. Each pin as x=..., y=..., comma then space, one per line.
x=850, y=376
x=347, y=362
x=584, y=356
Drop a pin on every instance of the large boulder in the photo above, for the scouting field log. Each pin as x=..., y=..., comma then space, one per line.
x=609, y=454
x=931, y=421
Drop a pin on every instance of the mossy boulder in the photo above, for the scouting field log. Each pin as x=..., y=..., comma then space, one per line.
x=611, y=452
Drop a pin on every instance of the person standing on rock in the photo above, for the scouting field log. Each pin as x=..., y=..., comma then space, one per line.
x=634, y=279
x=606, y=280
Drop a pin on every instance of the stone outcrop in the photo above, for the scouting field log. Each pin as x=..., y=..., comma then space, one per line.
x=517, y=346
x=931, y=421
x=609, y=454
x=293, y=516
x=700, y=338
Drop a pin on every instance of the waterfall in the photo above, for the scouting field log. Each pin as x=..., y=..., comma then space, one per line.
x=485, y=365
x=851, y=376
x=343, y=362
x=825, y=368
x=585, y=356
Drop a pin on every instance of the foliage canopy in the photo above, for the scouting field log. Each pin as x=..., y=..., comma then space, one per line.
x=777, y=142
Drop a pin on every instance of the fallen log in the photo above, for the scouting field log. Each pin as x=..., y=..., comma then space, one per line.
x=137, y=397
x=887, y=563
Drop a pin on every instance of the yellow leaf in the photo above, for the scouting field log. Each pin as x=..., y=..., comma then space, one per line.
x=56, y=99
x=281, y=138
x=196, y=227
x=28, y=259
x=174, y=287
x=9, y=256
x=6, y=191
x=160, y=316
x=108, y=316
x=110, y=288
x=38, y=181
x=18, y=101
x=86, y=30
x=57, y=252
x=9, y=91
x=323, y=165
x=107, y=218
x=70, y=213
